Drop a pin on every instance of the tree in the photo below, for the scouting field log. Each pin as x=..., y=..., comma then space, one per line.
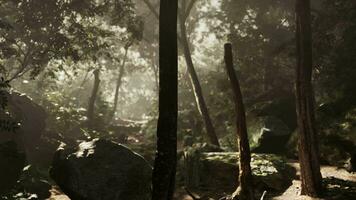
x=34, y=33
x=199, y=97
x=166, y=157
x=119, y=81
x=244, y=191
x=93, y=97
x=184, y=12
x=262, y=33
x=308, y=138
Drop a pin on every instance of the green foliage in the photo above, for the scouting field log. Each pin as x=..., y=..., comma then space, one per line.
x=6, y=122
x=4, y=85
x=334, y=36
x=32, y=33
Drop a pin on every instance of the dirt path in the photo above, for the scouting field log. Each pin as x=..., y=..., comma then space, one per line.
x=337, y=179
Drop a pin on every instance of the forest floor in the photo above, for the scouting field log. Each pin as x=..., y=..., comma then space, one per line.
x=340, y=184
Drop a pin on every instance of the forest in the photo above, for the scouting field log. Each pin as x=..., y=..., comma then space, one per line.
x=177, y=99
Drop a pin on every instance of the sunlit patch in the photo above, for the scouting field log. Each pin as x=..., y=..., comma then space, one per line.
x=86, y=149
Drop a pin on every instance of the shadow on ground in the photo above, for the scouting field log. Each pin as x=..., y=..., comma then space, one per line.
x=338, y=189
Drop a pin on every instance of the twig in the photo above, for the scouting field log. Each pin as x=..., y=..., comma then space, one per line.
x=191, y=194
x=263, y=195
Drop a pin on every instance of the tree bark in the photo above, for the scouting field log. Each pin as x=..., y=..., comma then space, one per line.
x=92, y=99
x=308, y=139
x=119, y=83
x=166, y=157
x=199, y=97
x=244, y=191
x=198, y=93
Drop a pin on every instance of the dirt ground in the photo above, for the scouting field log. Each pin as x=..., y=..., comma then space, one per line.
x=340, y=184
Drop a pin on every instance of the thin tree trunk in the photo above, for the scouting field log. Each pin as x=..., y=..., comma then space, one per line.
x=198, y=93
x=244, y=191
x=119, y=83
x=166, y=157
x=92, y=99
x=155, y=69
x=308, y=138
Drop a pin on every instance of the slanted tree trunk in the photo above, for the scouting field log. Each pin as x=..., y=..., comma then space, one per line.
x=166, y=157
x=198, y=93
x=119, y=82
x=308, y=138
x=92, y=99
x=244, y=191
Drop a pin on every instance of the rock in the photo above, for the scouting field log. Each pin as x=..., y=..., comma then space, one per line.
x=351, y=163
x=268, y=135
x=101, y=170
x=32, y=119
x=11, y=164
x=33, y=182
x=219, y=170
x=190, y=162
x=281, y=108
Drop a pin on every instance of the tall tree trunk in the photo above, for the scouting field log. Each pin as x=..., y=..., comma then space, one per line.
x=198, y=93
x=244, y=191
x=119, y=83
x=308, y=139
x=166, y=157
x=199, y=97
x=93, y=98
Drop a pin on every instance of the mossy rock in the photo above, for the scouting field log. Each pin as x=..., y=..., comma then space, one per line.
x=220, y=170
x=268, y=134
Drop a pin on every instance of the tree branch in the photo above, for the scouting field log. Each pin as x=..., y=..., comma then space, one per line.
x=152, y=8
x=189, y=8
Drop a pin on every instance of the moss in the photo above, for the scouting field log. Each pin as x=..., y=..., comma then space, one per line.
x=261, y=164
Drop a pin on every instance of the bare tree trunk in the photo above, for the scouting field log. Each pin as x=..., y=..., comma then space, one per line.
x=92, y=99
x=166, y=157
x=119, y=83
x=155, y=69
x=198, y=93
x=244, y=191
x=199, y=97
x=308, y=138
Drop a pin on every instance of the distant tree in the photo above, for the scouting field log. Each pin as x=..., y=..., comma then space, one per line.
x=119, y=80
x=166, y=157
x=33, y=33
x=245, y=190
x=92, y=99
x=262, y=33
x=308, y=136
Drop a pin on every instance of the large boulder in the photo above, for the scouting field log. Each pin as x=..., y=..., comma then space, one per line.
x=101, y=170
x=32, y=120
x=12, y=161
x=220, y=170
x=268, y=135
x=281, y=108
x=190, y=164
